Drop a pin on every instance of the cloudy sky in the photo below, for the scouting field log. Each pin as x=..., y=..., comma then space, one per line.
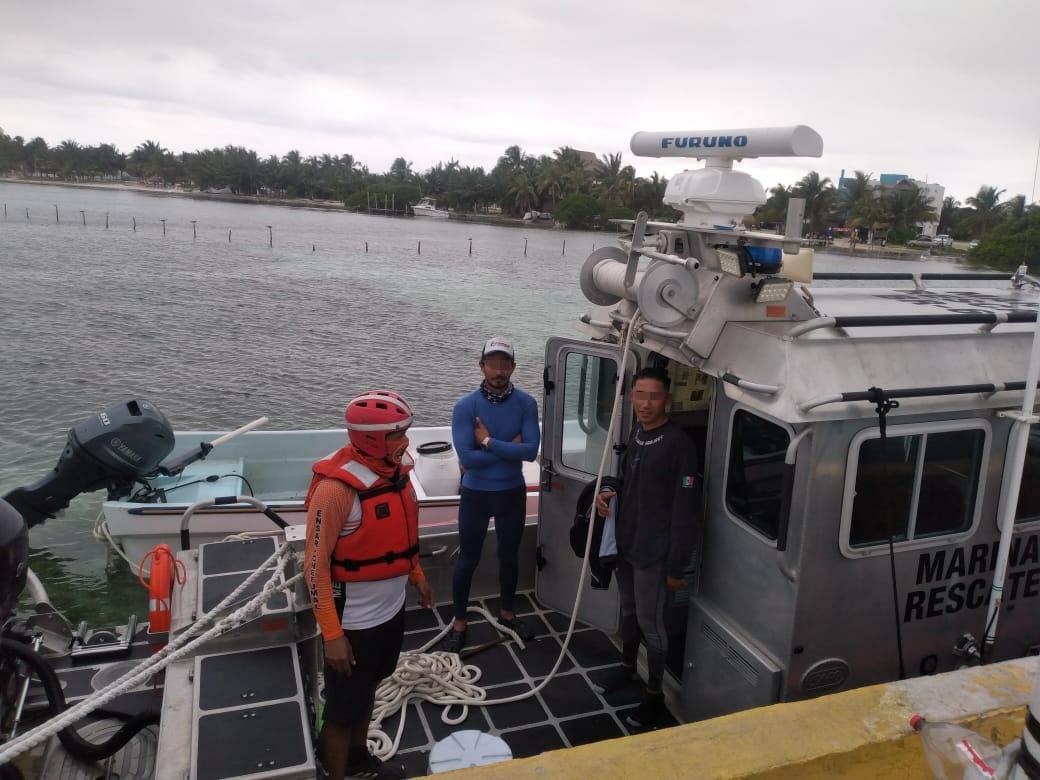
x=944, y=92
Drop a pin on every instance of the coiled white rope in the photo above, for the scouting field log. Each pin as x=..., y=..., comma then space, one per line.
x=442, y=678
x=181, y=646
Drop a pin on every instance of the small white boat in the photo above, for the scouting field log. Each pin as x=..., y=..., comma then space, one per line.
x=427, y=207
x=274, y=467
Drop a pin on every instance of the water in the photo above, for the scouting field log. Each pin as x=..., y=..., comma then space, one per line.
x=218, y=333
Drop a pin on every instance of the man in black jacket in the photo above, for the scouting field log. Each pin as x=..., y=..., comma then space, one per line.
x=656, y=528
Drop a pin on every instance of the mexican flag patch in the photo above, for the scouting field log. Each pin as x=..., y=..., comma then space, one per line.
x=688, y=482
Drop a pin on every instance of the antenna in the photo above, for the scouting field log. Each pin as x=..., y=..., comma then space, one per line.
x=716, y=196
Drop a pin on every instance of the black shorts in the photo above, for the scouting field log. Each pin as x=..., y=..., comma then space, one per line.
x=376, y=651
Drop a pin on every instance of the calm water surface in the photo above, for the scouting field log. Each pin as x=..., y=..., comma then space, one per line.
x=218, y=332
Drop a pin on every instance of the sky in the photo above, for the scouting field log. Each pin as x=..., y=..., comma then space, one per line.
x=943, y=92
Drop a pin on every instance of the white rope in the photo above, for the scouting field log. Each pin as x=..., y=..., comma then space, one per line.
x=442, y=678
x=439, y=677
x=102, y=534
x=183, y=645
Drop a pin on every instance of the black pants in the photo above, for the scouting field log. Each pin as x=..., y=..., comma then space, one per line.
x=376, y=651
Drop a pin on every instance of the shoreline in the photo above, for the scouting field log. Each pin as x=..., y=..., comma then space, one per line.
x=838, y=247
x=297, y=203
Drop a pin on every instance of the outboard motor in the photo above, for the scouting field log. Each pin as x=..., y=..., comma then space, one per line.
x=112, y=450
x=14, y=558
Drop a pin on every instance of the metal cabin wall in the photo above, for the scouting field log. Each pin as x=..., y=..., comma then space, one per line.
x=844, y=632
x=741, y=617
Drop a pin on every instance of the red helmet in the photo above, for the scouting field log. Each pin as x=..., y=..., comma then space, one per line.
x=371, y=416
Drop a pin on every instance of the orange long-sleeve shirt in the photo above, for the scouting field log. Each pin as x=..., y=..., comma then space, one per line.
x=333, y=511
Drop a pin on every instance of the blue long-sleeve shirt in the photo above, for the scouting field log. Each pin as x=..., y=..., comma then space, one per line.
x=500, y=466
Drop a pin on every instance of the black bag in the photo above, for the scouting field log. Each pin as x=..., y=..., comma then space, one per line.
x=601, y=569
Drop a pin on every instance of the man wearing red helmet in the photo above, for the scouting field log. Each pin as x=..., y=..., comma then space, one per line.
x=363, y=534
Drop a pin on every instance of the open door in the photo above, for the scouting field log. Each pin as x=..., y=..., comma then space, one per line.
x=580, y=383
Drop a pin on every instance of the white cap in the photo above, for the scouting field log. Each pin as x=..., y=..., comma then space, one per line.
x=498, y=344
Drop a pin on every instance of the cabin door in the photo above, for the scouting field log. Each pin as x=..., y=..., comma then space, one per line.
x=580, y=384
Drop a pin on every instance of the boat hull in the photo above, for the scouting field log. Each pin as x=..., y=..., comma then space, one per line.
x=422, y=211
x=275, y=467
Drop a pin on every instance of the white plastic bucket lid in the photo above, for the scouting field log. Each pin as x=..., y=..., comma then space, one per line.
x=462, y=749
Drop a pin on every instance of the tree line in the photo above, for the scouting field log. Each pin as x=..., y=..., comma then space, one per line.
x=1007, y=232
x=578, y=189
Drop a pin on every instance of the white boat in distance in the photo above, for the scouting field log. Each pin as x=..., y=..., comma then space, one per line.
x=274, y=467
x=427, y=207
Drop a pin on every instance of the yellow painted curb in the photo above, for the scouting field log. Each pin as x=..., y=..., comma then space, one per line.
x=863, y=733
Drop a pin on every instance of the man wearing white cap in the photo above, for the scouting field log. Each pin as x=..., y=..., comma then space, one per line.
x=494, y=430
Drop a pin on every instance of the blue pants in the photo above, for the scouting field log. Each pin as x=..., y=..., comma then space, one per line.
x=476, y=508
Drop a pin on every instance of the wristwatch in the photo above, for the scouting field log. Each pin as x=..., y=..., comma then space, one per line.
x=485, y=442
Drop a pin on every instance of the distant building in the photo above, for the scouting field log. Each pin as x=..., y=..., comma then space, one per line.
x=933, y=192
x=589, y=160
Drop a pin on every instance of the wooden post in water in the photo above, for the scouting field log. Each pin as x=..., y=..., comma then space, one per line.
x=56, y=220
x=471, y=247
x=83, y=214
x=565, y=246
x=135, y=223
x=27, y=215
x=270, y=236
x=418, y=248
x=163, y=226
x=194, y=232
x=366, y=247
x=525, y=247
x=106, y=220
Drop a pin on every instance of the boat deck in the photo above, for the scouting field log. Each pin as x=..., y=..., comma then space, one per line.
x=566, y=713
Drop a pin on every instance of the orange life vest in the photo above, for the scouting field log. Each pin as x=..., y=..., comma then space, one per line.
x=386, y=544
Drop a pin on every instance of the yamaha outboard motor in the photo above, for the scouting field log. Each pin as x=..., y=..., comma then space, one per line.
x=112, y=449
x=14, y=558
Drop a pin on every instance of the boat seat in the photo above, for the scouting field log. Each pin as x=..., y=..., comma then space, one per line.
x=204, y=479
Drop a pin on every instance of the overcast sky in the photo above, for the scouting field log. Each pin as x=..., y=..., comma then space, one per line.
x=945, y=92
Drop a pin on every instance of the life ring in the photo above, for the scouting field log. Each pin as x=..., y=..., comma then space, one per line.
x=162, y=572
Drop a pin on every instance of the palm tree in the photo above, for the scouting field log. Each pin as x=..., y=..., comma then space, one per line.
x=908, y=206
x=819, y=196
x=855, y=191
x=949, y=208
x=649, y=195
x=37, y=153
x=1016, y=207
x=69, y=156
x=148, y=160
x=987, y=212
x=401, y=171
x=572, y=168
x=523, y=193
x=774, y=210
x=512, y=158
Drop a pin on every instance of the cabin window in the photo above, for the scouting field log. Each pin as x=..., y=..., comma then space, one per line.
x=755, y=479
x=915, y=487
x=1029, y=491
x=588, y=401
